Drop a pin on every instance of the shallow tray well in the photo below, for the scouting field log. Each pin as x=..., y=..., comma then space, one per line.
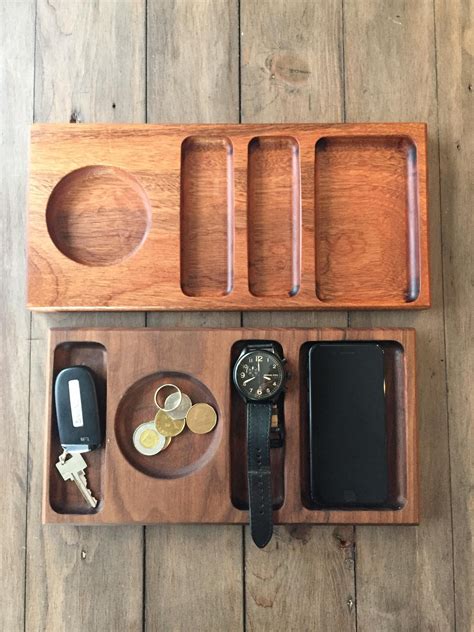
x=66, y=498
x=366, y=213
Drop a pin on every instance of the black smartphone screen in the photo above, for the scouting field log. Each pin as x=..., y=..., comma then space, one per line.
x=347, y=427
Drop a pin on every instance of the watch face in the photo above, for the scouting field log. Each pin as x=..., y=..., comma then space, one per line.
x=259, y=375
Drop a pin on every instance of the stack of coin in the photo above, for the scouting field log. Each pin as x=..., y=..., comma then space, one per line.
x=175, y=412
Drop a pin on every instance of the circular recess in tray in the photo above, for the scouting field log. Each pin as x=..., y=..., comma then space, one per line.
x=98, y=215
x=187, y=452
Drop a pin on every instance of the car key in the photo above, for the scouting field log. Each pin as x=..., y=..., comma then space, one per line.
x=72, y=469
x=77, y=410
x=78, y=419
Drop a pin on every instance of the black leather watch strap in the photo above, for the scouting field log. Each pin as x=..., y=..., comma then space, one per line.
x=259, y=472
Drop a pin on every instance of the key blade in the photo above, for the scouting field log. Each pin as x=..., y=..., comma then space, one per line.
x=85, y=491
x=73, y=469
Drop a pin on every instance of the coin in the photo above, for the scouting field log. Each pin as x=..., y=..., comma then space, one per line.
x=182, y=410
x=167, y=442
x=168, y=427
x=201, y=418
x=147, y=440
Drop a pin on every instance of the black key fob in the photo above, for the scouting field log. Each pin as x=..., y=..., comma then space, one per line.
x=77, y=409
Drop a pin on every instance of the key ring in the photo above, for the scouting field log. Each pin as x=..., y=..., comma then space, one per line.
x=175, y=390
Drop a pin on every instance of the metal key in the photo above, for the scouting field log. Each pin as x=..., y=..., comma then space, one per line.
x=72, y=469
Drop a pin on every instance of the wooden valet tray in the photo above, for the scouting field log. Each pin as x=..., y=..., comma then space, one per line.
x=233, y=217
x=201, y=478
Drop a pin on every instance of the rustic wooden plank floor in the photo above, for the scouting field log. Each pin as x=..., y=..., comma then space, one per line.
x=250, y=61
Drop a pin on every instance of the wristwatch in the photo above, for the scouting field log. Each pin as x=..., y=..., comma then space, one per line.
x=259, y=376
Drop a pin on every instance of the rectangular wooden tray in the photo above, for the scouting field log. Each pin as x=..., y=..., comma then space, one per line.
x=234, y=217
x=201, y=478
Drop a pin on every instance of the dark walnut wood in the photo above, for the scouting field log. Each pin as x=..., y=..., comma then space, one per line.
x=201, y=478
x=201, y=217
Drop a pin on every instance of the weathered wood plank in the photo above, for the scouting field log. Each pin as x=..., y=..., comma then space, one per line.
x=455, y=61
x=291, y=61
x=90, y=66
x=78, y=578
x=99, y=47
x=16, y=112
x=303, y=580
x=404, y=575
x=193, y=61
x=193, y=573
x=291, y=71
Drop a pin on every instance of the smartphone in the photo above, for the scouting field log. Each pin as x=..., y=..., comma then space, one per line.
x=347, y=426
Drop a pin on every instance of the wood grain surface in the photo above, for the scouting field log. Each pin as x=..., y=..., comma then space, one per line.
x=193, y=573
x=191, y=480
x=274, y=209
x=16, y=113
x=398, y=60
x=455, y=46
x=353, y=241
x=206, y=221
x=211, y=61
x=69, y=567
x=161, y=217
x=272, y=61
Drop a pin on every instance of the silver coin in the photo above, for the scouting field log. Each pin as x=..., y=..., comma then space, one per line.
x=182, y=410
x=147, y=440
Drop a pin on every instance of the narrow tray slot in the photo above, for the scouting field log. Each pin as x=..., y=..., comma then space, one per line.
x=366, y=214
x=238, y=448
x=207, y=216
x=274, y=216
x=64, y=496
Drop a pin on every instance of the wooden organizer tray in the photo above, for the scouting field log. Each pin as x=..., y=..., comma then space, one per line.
x=234, y=217
x=201, y=478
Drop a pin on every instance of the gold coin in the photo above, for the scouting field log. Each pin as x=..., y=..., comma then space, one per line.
x=168, y=427
x=201, y=418
x=167, y=442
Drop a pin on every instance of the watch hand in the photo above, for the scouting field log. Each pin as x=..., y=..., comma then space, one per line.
x=267, y=377
x=249, y=380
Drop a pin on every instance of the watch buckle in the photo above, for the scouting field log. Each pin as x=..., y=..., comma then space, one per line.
x=277, y=434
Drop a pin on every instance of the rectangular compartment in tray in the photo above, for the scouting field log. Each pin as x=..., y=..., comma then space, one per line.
x=233, y=217
x=201, y=478
x=395, y=423
x=66, y=498
x=367, y=236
